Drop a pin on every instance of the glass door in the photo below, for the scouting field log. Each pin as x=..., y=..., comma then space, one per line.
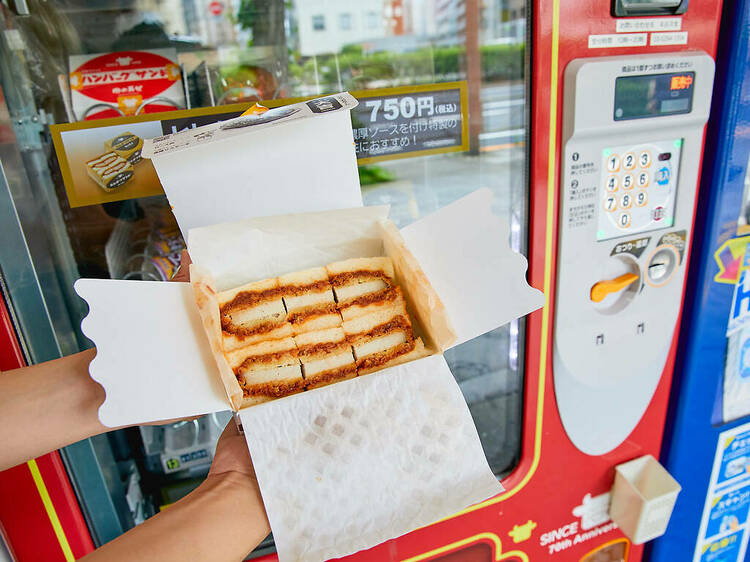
x=443, y=97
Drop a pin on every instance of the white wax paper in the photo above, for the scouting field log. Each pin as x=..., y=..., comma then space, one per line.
x=273, y=246
x=348, y=466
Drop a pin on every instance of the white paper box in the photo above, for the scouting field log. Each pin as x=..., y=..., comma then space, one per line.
x=643, y=497
x=155, y=362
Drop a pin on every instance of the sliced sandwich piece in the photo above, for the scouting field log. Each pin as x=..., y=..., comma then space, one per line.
x=109, y=171
x=374, y=303
x=360, y=276
x=308, y=298
x=252, y=313
x=383, y=338
x=326, y=357
x=403, y=353
x=267, y=370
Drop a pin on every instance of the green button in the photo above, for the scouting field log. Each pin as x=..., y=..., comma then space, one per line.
x=607, y=152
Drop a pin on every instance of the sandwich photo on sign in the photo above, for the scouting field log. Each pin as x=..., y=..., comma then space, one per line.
x=127, y=146
x=109, y=171
x=79, y=146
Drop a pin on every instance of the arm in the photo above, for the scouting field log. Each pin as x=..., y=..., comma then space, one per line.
x=222, y=519
x=53, y=404
x=47, y=406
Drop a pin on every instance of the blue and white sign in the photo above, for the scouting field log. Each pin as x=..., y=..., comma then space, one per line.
x=739, y=316
x=728, y=510
x=735, y=458
x=724, y=525
x=725, y=549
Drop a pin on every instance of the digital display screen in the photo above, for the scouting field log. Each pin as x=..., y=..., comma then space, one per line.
x=653, y=95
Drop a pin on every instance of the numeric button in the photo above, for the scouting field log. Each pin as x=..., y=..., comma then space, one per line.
x=628, y=161
x=613, y=163
x=623, y=220
x=644, y=159
x=627, y=181
x=643, y=179
x=626, y=201
x=641, y=199
x=612, y=182
x=610, y=202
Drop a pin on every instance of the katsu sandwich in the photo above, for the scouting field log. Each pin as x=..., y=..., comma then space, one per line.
x=306, y=329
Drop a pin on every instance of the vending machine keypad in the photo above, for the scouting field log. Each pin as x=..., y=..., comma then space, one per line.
x=639, y=187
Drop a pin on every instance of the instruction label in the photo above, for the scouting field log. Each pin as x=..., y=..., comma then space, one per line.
x=669, y=38
x=615, y=40
x=630, y=25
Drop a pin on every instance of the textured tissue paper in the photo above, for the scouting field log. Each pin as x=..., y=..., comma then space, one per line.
x=348, y=466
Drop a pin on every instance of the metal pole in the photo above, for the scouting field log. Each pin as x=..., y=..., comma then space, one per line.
x=317, y=80
x=473, y=73
x=338, y=71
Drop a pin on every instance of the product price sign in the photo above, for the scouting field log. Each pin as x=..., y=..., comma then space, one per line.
x=410, y=121
x=100, y=159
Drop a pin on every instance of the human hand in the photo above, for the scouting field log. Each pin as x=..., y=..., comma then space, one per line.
x=182, y=275
x=232, y=464
x=222, y=519
x=232, y=455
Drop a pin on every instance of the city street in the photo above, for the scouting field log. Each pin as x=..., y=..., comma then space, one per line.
x=503, y=114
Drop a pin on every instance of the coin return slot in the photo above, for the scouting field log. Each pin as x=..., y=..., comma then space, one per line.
x=656, y=271
x=661, y=266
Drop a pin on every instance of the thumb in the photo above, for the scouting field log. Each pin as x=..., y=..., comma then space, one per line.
x=183, y=272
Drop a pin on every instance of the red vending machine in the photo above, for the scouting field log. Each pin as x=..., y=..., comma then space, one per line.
x=585, y=119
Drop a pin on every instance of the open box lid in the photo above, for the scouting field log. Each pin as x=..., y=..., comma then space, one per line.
x=291, y=159
x=463, y=249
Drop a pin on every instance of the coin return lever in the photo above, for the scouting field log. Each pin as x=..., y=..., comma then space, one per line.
x=601, y=289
